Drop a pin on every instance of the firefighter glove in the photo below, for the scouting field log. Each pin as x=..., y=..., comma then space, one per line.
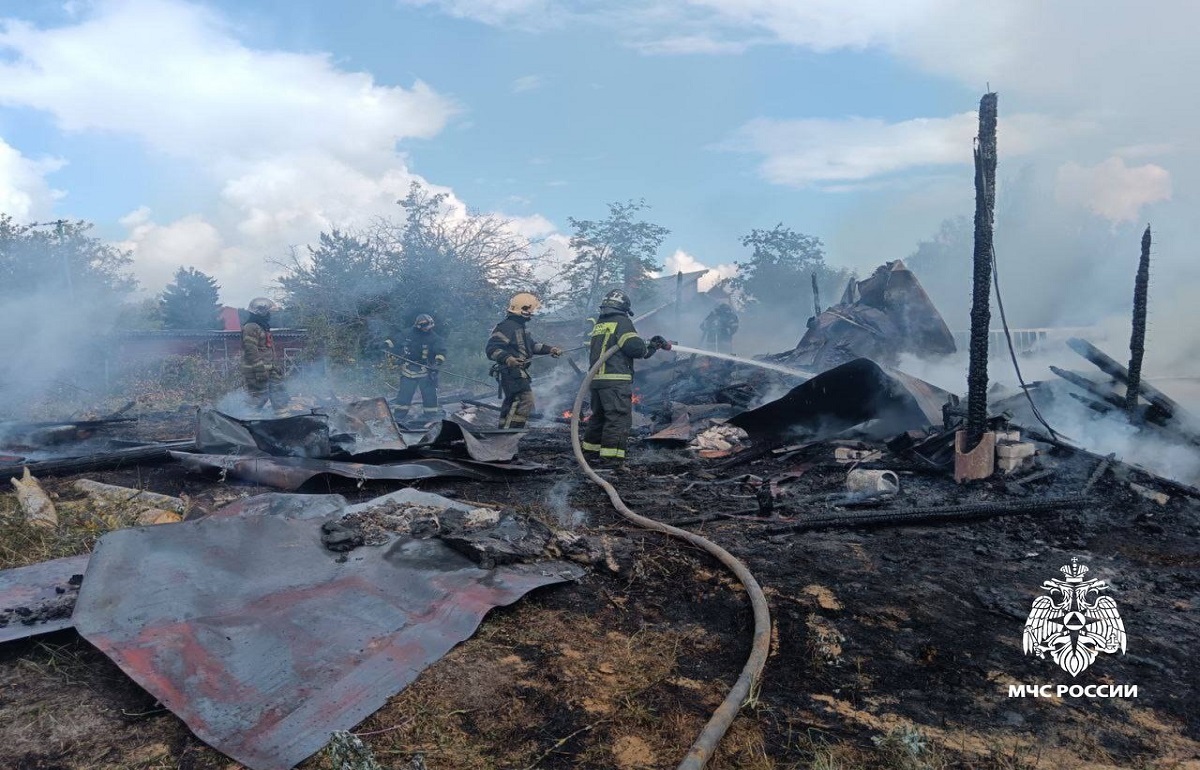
x=514, y=362
x=658, y=342
x=556, y=351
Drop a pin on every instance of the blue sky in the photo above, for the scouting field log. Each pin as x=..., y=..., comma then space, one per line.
x=219, y=134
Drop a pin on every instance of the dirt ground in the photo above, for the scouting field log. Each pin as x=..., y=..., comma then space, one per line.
x=893, y=647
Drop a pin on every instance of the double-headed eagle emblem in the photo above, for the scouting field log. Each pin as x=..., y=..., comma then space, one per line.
x=1074, y=623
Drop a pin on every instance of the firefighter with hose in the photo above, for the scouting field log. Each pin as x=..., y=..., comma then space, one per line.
x=612, y=388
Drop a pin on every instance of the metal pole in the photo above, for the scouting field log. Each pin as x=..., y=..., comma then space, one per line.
x=981, y=315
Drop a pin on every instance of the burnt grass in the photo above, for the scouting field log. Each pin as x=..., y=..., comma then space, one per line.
x=884, y=637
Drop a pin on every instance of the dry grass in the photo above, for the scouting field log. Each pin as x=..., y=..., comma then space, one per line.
x=543, y=688
x=80, y=524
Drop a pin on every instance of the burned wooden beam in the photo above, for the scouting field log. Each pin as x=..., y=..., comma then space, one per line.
x=816, y=297
x=1137, y=341
x=1151, y=413
x=121, y=458
x=985, y=202
x=949, y=513
x=1119, y=373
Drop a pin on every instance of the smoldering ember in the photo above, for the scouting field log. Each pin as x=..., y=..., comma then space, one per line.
x=855, y=546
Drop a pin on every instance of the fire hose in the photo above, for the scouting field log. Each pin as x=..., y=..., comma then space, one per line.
x=706, y=743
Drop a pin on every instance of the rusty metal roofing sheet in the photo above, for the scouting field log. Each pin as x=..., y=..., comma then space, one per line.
x=264, y=642
x=480, y=444
x=38, y=599
x=293, y=473
x=345, y=431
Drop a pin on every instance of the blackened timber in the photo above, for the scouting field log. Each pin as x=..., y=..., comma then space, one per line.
x=816, y=297
x=981, y=316
x=1150, y=414
x=1121, y=375
x=120, y=458
x=1137, y=340
x=949, y=513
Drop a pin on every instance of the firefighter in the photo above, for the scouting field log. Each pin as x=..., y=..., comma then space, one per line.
x=511, y=349
x=261, y=367
x=612, y=388
x=422, y=353
x=718, y=327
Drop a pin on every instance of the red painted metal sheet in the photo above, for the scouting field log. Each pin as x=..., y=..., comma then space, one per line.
x=37, y=599
x=264, y=642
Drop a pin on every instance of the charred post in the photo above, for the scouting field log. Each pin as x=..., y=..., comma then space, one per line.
x=1137, y=342
x=816, y=297
x=985, y=203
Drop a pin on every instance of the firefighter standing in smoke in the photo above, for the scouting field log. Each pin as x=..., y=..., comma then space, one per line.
x=261, y=368
x=718, y=328
x=422, y=353
x=511, y=350
x=612, y=388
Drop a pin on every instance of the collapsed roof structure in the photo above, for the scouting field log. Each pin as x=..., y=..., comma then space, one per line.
x=881, y=318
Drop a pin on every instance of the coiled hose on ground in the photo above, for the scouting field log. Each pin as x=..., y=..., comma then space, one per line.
x=706, y=743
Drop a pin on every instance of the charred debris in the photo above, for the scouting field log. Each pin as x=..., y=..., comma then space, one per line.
x=361, y=597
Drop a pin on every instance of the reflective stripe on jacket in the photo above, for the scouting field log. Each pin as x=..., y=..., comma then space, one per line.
x=616, y=330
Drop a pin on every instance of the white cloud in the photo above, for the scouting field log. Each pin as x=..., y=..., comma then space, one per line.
x=24, y=192
x=833, y=153
x=289, y=143
x=681, y=261
x=498, y=12
x=1111, y=189
x=527, y=83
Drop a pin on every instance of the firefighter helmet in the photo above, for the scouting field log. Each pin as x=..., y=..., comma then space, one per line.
x=524, y=304
x=261, y=306
x=424, y=322
x=617, y=300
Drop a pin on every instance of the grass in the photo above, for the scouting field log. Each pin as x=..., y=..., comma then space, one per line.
x=80, y=524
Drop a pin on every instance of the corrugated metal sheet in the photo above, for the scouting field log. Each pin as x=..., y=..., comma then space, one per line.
x=292, y=473
x=263, y=641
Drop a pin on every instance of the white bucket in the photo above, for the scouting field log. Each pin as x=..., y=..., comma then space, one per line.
x=864, y=482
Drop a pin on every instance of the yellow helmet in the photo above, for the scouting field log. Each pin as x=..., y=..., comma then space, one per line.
x=524, y=304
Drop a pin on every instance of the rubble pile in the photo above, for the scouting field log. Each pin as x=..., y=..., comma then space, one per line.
x=848, y=472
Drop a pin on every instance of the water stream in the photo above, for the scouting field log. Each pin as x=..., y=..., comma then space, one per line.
x=748, y=361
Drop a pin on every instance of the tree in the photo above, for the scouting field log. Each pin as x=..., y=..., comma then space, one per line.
x=355, y=289
x=779, y=271
x=142, y=315
x=191, y=301
x=617, y=251
x=64, y=260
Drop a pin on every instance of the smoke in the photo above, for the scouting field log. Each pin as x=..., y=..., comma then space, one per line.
x=1098, y=433
x=558, y=501
x=53, y=338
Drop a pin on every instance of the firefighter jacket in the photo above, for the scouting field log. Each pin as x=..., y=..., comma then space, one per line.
x=422, y=350
x=258, y=347
x=509, y=339
x=615, y=329
x=722, y=322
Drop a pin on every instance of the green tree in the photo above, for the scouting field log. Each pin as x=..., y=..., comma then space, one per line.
x=779, y=271
x=62, y=258
x=619, y=250
x=353, y=290
x=191, y=301
x=142, y=315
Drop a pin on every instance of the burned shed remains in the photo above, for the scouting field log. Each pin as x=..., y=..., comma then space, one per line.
x=880, y=318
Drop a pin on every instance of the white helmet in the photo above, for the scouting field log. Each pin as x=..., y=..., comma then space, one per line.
x=261, y=306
